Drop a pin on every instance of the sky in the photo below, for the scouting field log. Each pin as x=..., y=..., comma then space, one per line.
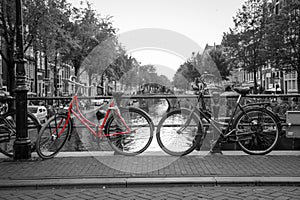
x=191, y=24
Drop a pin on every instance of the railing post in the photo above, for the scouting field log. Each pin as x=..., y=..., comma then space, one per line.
x=22, y=143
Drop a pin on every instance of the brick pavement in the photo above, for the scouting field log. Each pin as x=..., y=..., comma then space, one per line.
x=155, y=193
x=151, y=166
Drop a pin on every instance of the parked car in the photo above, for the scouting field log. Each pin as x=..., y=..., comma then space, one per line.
x=39, y=112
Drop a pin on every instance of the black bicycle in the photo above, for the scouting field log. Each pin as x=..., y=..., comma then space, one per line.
x=8, y=127
x=254, y=127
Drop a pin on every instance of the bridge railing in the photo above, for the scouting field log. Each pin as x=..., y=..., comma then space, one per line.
x=280, y=104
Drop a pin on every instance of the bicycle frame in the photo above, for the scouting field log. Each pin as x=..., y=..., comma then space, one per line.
x=87, y=123
x=229, y=130
x=99, y=128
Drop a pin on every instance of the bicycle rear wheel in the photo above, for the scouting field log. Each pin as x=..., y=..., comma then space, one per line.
x=53, y=136
x=140, y=137
x=177, y=132
x=257, y=131
x=8, y=132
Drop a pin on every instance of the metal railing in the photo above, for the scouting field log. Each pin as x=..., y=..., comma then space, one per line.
x=289, y=102
x=280, y=103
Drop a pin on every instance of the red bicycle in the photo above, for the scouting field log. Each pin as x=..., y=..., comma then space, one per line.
x=129, y=130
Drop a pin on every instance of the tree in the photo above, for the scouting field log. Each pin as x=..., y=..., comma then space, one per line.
x=45, y=30
x=99, y=59
x=121, y=65
x=8, y=39
x=130, y=78
x=88, y=30
x=107, y=59
x=163, y=80
x=245, y=44
x=221, y=62
x=180, y=82
x=32, y=14
x=188, y=71
x=283, y=39
x=141, y=75
x=53, y=36
x=211, y=61
x=68, y=35
x=186, y=74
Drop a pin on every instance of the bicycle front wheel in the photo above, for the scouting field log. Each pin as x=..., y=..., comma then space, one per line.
x=177, y=132
x=53, y=136
x=140, y=135
x=8, y=132
x=257, y=131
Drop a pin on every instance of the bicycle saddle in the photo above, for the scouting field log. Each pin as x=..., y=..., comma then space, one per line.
x=242, y=91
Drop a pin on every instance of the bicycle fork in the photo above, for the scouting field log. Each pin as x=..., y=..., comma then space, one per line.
x=56, y=133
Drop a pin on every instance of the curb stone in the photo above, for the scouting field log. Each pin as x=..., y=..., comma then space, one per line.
x=146, y=182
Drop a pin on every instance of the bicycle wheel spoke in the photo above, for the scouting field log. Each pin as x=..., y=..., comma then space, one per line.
x=176, y=133
x=257, y=131
x=8, y=124
x=132, y=138
x=53, y=136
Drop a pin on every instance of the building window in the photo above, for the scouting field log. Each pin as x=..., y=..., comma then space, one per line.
x=59, y=80
x=65, y=88
x=293, y=84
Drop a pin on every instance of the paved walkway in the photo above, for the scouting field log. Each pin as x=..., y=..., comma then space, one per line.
x=158, y=193
x=105, y=169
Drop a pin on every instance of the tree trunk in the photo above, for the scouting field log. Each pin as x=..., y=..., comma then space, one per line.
x=90, y=83
x=36, y=73
x=11, y=83
x=46, y=75
x=298, y=80
x=255, y=81
x=55, y=76
x=261, y=80
x=76, y=64
x=11, y=75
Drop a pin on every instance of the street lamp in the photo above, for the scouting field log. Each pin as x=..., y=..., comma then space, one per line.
x=22, y=143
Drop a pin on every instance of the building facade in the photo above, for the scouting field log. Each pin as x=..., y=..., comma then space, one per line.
x=270, y=79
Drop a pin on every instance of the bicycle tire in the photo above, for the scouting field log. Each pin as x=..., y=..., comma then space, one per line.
x=170, y=140
x=8, y=130
x=257, y=131
x=48, y=143
x=133, y=143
